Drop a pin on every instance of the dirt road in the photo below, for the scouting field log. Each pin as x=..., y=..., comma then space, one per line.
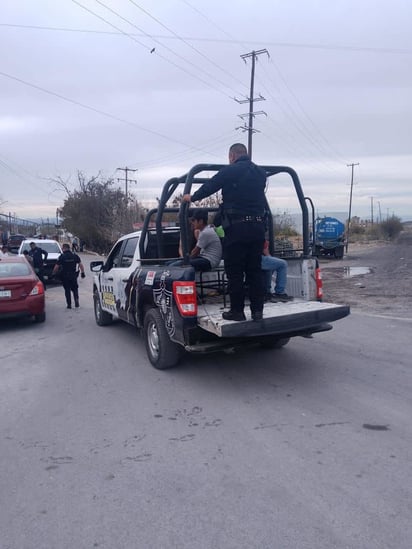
x=373, y=277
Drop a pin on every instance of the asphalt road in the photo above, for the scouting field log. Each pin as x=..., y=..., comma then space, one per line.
x=304, y=447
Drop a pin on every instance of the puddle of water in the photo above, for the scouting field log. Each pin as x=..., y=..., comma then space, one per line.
x=355, y=271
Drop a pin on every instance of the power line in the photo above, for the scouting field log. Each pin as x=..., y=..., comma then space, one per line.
x=295, y=122
x=150, y=48
x=306, y=115
x=98, y=111
x=294, y=45
x=185, y=41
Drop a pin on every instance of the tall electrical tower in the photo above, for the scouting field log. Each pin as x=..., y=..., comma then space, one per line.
x=126, y=179
x=251, y=99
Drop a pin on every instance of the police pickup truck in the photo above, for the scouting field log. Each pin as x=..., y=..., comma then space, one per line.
x=179, y=310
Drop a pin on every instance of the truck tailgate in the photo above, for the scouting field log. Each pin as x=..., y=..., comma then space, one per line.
x=278, y=318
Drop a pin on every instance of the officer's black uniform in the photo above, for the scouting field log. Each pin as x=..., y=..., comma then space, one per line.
x=38, y=256
x=68, y=262
x=244, y=204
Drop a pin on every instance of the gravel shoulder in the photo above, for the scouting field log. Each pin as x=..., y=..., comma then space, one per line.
x=373, y=277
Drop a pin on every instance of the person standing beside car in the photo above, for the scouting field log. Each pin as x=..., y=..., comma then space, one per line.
x=38, y=256
x=68, y=267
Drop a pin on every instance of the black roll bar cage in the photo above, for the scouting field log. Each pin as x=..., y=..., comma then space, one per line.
x=191, y=179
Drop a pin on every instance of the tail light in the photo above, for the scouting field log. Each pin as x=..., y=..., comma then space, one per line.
x=319, y=284
x=38, y=289
x=185, y=297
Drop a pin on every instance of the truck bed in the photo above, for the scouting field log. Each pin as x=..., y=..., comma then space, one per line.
x=278, y=318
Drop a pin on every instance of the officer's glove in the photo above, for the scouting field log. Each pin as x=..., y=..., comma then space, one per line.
x=83, y=275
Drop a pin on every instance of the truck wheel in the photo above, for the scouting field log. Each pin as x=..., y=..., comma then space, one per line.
x=102, y=318
x=274, y=342
x=40, y=317
x=339, y=253
x=162, y=352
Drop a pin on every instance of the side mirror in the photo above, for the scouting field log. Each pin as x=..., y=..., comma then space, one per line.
x=96, y=266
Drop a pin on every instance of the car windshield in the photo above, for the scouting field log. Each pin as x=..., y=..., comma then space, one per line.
x=8, y=270
x=49, y=247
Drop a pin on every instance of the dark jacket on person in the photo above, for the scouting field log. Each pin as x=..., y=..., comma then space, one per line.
x=243, y=188
x=68, y=262
x=37, y=256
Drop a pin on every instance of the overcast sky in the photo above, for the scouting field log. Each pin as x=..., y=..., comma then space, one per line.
x=96, y=85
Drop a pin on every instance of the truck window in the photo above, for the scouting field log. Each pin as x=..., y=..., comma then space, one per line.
x=113, y=260
x=128, y=252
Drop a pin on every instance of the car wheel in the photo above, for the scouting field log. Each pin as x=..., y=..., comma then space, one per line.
x=274, y=342
x=102, y=318
x=162, y=352
x=40, y=317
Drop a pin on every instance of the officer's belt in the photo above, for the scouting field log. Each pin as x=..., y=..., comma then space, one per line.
x=245, y=218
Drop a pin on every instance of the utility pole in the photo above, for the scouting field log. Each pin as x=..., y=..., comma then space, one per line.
x=126, y=179
x=371, y=210
x=350, y=204
x=251, y=99
x=380, y=213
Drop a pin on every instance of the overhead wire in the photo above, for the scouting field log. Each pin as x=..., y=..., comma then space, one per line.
x=296, y=123
x=163, y=160
x=185, y=41
x=99, y=111
x=366, y=49
x=300, y=126
x=150, y=49
x=306, y=115
x=34, y=179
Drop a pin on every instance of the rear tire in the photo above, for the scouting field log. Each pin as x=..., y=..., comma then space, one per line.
x=339, y=252
x=40, y=317
x=273, y=342
x=161, y=351
x=102, y=318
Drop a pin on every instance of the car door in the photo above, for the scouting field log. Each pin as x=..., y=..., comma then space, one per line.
x=115, y=275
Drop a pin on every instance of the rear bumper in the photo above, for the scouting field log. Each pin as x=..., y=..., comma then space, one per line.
x=32, y=305
x=220, y=344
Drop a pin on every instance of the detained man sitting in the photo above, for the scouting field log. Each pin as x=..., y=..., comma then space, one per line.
x=207, y=252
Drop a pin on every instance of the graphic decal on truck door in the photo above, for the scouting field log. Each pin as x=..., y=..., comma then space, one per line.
x=108, y=296
x=163, y=299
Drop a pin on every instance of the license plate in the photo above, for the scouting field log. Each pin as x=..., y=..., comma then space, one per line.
x=5, y=293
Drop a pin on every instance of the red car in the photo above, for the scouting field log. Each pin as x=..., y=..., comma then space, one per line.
x=21, y=292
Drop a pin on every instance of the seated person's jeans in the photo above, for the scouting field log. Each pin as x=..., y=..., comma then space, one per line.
x=198, y=263
x=271, y=264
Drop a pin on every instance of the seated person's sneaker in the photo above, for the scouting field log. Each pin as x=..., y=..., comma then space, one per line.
x=281, y=297
x=234, y=315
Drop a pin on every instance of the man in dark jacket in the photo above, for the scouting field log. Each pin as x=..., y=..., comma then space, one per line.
x=68, y=264
x=38, y=257
x=244, y=206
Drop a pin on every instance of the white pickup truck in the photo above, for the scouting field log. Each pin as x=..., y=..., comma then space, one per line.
x=179, y=310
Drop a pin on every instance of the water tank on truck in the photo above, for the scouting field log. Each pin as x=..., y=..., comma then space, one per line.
x=329, y=237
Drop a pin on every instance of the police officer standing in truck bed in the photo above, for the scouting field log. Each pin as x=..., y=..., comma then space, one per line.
x=244, y=202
